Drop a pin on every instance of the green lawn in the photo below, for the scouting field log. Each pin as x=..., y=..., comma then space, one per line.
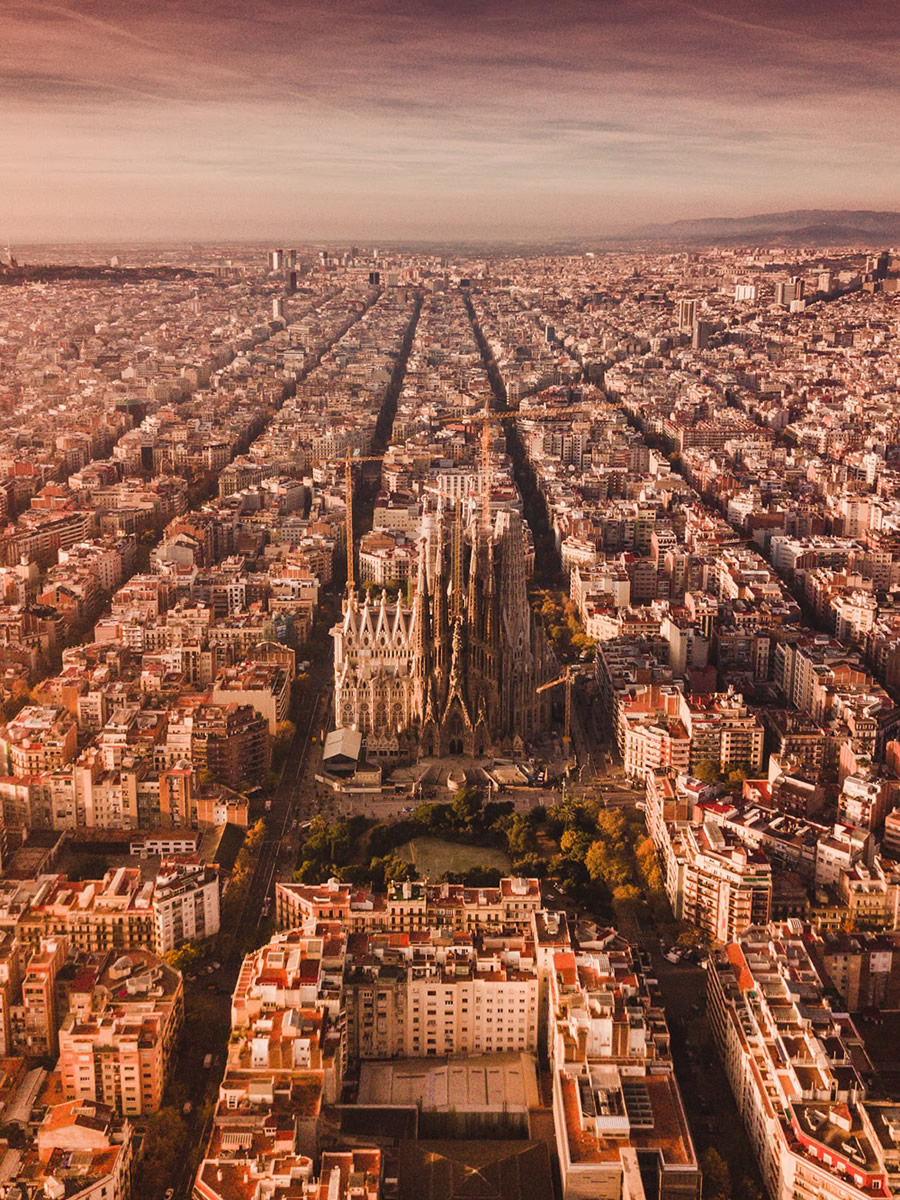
x=433, y=856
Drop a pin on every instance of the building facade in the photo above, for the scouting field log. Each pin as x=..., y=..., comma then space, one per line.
x=456, y=671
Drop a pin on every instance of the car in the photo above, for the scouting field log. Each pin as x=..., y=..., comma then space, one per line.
x=169, y=1194
x=207, y=1061
x=672, y=956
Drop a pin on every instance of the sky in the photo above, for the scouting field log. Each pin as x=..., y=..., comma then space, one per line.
x=454, y=119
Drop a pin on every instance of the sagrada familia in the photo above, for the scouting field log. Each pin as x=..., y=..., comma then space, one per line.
x=455, y=671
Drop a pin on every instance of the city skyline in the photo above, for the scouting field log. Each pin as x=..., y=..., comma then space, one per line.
x=433, y=120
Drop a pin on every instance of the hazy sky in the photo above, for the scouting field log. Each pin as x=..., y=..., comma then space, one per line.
x=454, y=118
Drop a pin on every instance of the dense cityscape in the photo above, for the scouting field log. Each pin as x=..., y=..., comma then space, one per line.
x=450, y=723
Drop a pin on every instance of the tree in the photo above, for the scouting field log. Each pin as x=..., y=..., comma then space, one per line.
x=316, y=845
x=575, y=843
x=570, y=873
x=390, y=868
x=520, y=835
x=285, y=731
x=693, y=938
x=626, y=898
x=340, y=843
x=606, y=864
x=716, y=1175
x=467, y=807
x=706, y=771
x=477, y=877
x=309, y=871
x=612, y=826
x=648, y=864
x=183, y=956
x=532, y=867
x=432, y=817
x=164, y=1147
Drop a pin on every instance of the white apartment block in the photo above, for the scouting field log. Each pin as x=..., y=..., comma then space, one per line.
x=798, y=1073
x=185, y=904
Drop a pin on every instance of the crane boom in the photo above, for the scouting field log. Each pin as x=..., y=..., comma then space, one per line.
x=565, y=679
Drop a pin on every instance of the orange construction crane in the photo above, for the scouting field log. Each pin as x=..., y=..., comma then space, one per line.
x=349, y=460
x=567, y=728
x=485, y=418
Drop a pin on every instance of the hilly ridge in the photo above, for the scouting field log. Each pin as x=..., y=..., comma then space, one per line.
x=803, y=225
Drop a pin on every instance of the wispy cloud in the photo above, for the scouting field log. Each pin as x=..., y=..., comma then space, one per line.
x=606, y=111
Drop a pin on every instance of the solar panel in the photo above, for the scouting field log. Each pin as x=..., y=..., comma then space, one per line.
x=637, y=1103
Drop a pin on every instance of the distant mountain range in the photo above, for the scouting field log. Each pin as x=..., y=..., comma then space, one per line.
x=800, y=226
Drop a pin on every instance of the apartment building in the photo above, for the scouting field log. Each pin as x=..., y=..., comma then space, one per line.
x=185, y=904
x=713, y=881
x=117, y=1048
x=621, y=1129
x=287, y=1015
x=264, y=686
x=863, y=968
x=343, y=1175
x=121, y=912
x=798, y=1072
x=719, y=886
x=35, y=1019
x=40, y=738
x=659, y=726
x=429, y=994
x=231, y=742
x=409, y=906
x=82, y=1147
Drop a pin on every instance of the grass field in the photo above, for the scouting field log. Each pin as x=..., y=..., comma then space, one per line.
x=433, y=856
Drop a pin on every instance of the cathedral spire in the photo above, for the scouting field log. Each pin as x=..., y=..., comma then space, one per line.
x=456, y=578
x=440, y=624
x=420, y=622
x=472, y=606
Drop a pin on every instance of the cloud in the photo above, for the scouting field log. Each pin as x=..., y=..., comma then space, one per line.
x=597, y=107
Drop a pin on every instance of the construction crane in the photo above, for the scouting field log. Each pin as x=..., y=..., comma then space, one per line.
x=485, y=419
x=566, y=679
x=349, y=461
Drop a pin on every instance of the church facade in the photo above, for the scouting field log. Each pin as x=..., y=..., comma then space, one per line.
x=455, y=671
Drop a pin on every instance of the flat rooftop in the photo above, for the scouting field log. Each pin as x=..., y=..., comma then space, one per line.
x=476, y=1083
